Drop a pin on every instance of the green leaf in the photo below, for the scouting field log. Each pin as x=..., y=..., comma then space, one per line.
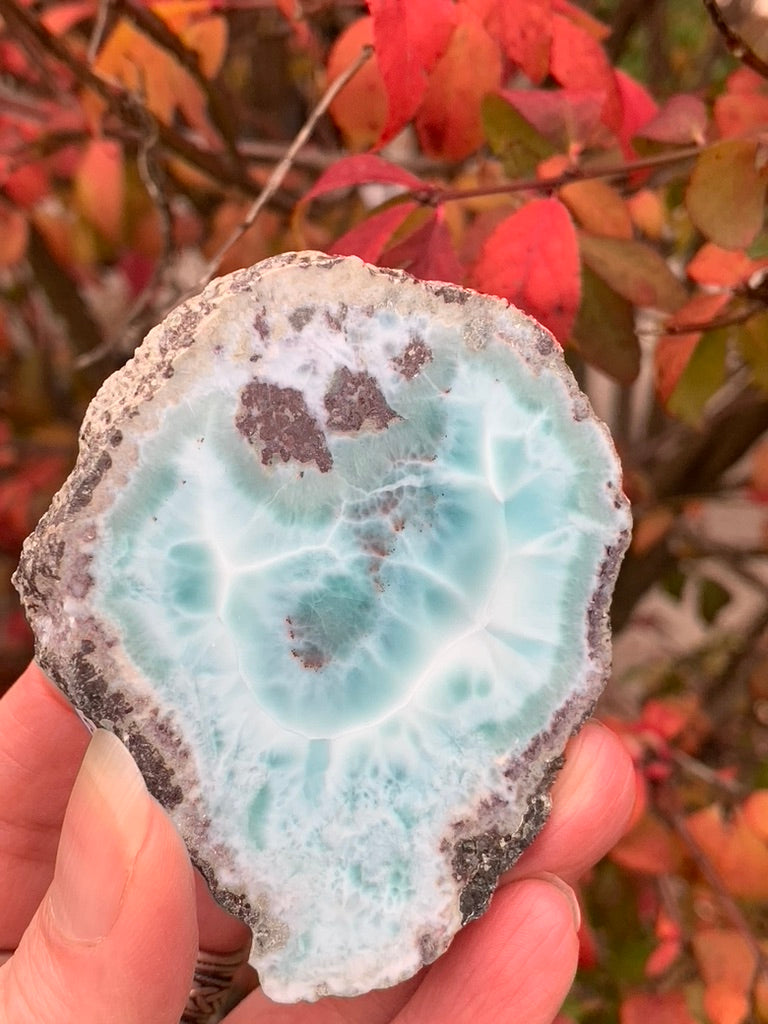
x=634, y=270
x=512, y=139
x=753, y=346
x=702, y=376
x=604, y=332
x=726, y=194
x=712, y=598
x=759, y=248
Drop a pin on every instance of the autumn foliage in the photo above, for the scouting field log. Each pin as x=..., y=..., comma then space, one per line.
x=494, y=144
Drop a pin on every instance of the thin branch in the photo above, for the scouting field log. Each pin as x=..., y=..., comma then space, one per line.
x=275, y=179
x=99, y=28
x=724, y=320
x=434, y=195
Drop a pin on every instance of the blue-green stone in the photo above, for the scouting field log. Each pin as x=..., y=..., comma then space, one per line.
x=335, y=563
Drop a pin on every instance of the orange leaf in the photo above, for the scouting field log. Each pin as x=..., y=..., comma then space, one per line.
x=655, y=1008
x=725, y=268
x=755, y=810
x=410, y=38
x=648, y=213
x=723, y=1005
x=360, y=109
x=14, y=232
x=724, y=958
x=532, y=260
x=100, y=187
x=449, y=122
x=650, y=848
x=598, y=207
x=579, y=62
x=739, y=856
x=726, y=193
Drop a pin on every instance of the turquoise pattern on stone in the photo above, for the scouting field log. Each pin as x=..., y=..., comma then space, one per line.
x=347, y=579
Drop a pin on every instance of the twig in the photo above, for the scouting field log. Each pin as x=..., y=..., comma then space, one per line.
x=434, y=195
x=724, y=320
x=275, y=179
x=99, y=28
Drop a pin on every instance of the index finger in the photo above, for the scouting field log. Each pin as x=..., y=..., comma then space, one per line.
x=42, y=742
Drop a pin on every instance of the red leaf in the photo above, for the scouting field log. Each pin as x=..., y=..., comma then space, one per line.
x=428, y=253
x=532, y=260
x=449, y=122
x=564, y=117
x=362, y=169
x=525, y=31
x=410, y=38
x=368, y=239
x=683, y=119
x=637, y=108
x=579, y=62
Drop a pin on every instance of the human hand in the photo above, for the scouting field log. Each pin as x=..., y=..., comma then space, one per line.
x=107, y=930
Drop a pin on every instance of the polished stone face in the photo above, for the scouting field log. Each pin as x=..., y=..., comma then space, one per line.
x=335, y=562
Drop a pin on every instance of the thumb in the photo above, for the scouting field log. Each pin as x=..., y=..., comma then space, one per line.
x=115, y=937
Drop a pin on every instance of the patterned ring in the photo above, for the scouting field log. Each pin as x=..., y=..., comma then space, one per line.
x=211, y=983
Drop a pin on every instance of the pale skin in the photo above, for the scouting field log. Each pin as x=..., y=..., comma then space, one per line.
x=76, y=963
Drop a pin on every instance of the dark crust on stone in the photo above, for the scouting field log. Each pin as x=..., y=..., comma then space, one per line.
x=415, y=355
x=277, y=421
x=354, y=402
x=479, y=860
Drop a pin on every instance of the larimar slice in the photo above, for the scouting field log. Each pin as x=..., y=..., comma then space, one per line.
x=335, y=563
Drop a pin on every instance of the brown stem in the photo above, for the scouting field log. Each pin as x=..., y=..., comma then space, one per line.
x=434, y=195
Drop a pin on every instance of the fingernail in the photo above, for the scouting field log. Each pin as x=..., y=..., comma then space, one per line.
x=566, y=890
x=104, y=828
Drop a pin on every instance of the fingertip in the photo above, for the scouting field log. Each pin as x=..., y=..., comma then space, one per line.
x=592, y=804
x=521, y=954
